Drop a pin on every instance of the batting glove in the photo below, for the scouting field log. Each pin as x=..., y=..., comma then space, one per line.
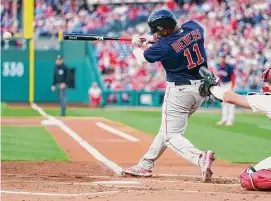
x=151, y=38
x=137, y=41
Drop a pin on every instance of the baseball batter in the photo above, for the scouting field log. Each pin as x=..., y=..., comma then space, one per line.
x=181, y=51
x=257, y=177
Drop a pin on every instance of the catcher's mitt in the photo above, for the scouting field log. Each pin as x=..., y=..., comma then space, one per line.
x=209, y=80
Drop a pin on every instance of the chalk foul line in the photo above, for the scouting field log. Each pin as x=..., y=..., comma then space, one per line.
x=58, y=194
x=90, y=149
x=117, y=132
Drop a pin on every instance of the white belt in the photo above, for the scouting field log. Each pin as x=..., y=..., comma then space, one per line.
x=196, y=82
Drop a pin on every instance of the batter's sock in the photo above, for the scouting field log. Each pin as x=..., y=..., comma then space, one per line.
x=200, y=157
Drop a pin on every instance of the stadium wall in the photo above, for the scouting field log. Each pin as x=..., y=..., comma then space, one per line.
x=15, y=73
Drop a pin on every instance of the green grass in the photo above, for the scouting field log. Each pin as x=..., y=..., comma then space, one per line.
x=32, y=143
x=246, y=141
x=18, y=112
x=147, y=121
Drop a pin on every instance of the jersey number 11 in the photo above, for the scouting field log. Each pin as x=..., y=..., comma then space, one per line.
x=191, y=63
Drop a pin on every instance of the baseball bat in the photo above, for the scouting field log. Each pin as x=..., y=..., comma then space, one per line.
x=90, y=37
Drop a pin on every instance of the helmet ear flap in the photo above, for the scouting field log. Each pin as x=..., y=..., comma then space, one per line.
x=153, y=27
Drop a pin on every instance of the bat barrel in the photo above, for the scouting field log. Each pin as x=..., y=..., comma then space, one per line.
x=67, y=36
x=89, y=37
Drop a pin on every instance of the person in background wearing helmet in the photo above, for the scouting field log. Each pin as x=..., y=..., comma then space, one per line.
x=227, y=77
x=257, y=177
x=181, y=51
x=258, y=102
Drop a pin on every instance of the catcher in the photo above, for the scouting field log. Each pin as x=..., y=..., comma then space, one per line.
x=257, y=177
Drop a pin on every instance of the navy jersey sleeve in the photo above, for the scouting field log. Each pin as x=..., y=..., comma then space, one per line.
x=157, y=52
x=193, y=25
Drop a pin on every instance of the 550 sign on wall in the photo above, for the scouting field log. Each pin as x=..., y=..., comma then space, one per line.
x=13, y=69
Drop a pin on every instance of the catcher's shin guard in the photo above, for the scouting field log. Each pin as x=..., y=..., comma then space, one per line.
x=256, y=180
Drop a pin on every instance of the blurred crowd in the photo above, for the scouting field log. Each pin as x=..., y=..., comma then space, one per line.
x=52, y=16
x=239, y=30
x=10, y=16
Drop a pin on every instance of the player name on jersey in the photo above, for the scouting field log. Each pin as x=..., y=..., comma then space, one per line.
x=186, y=40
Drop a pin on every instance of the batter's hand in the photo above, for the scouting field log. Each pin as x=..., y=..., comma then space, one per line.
x=137, y=41
x=53, y=87
x=149, y=38
x=62, y=85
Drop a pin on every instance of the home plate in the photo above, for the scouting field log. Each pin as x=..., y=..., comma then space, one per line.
x=116, y=182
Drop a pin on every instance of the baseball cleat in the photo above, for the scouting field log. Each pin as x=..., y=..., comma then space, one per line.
x=220, y=123
x=207, y=159
x=229, y=123
x=137, y=171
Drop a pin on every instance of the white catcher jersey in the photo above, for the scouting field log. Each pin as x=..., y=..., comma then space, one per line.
x=260, y=103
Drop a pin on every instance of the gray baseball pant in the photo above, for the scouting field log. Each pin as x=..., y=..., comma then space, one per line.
x=180, y=102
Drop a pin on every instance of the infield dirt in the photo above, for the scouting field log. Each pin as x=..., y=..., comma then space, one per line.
x=174, y=178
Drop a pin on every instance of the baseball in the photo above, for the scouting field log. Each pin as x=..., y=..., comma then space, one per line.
x=7, y=35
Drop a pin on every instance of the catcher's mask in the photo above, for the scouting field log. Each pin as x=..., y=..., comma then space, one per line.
x=266, y=80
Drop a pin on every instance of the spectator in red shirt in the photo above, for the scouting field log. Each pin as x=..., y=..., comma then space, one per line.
x=95, y=95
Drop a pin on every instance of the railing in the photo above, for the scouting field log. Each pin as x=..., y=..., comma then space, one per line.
x=144, y=98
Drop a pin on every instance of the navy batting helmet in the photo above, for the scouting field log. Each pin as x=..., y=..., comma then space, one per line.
x=160, y=20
